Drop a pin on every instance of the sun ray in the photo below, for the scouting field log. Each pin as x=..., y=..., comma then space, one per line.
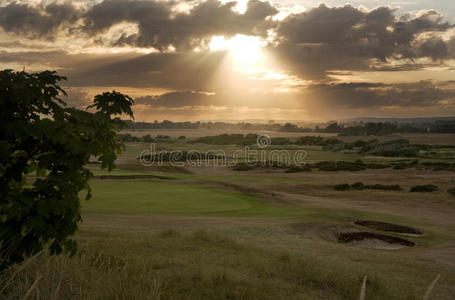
x=245, y=50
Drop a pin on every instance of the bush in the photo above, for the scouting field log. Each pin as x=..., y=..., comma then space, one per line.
x=361, y=186
x=439, y=166
x=309, y=140
x=340, y=166
x=451, y=191
x=360, y=143
x=181, y=156
x=331, y=141
x=280, y=141
x=424, y=188
x=297, y=168
x=357, y=186
x=163, y=137
x=243, y=166
x=342, y=187
x=376, y=166
x=182, y=137
x=392, y=187
x=228, y=139
x=394, y=148
x=128, y=138
x=148, y=139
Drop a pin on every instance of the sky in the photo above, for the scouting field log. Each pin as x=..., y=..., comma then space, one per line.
x=192, y=60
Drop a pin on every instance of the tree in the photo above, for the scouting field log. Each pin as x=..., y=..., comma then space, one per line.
x=40, y=135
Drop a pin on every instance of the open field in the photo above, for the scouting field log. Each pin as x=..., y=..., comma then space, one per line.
x=211, y=233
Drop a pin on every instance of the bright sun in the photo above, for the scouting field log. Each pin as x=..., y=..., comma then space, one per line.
x=246, y=50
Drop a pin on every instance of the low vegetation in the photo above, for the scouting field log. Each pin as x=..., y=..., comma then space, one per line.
x=182, y=156
x=298, y=168
x=228, y=139
x=360, y=186
x=424, y=188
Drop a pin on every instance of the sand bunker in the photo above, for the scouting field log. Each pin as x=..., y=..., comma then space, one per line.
x=373, y=240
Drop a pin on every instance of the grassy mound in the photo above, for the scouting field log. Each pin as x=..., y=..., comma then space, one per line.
x=378, y=225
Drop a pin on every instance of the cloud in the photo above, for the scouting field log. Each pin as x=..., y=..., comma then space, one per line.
x=180, y=99
x=160, y=26
x=37, y=21
x=377, y=95
x=347, y=38
x=433, y=47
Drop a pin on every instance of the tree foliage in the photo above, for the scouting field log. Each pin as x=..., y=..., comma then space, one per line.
x=41, y=136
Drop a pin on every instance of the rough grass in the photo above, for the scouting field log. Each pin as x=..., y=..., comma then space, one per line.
x=199, y=264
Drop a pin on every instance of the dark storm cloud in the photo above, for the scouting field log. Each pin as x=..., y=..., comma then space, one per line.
x=160, y=29
x=159, y=26
x=433, y=47
x=376, y=95
x=180, y=99
x=37, y=21
x=347, y=38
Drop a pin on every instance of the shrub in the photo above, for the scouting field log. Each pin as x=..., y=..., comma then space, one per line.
x=360, y=143
x=228, y=139
x=181, y=156
x=280, y=141
x=439, y=166
x=376, y=166
x=394, y=148
x=162, y=137
x=451, y=191
x=392, y=187
x=309, y=140
x=342, y=187
x=357, y=186
x=297, y=168
x=243, y=166
x=424, y=188
x=330, y=141
x=148, y=139
x=361, y=186
x=340, y=166
x=182, y=137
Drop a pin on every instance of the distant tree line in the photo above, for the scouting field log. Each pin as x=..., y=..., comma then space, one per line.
x=379, y=128
x=288, y=127
x=360, y=128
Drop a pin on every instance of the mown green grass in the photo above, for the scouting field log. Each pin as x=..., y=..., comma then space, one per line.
x=154, y=197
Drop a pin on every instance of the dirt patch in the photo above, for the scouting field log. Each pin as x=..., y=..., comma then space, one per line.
x=373, y=240
x=388, y=227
